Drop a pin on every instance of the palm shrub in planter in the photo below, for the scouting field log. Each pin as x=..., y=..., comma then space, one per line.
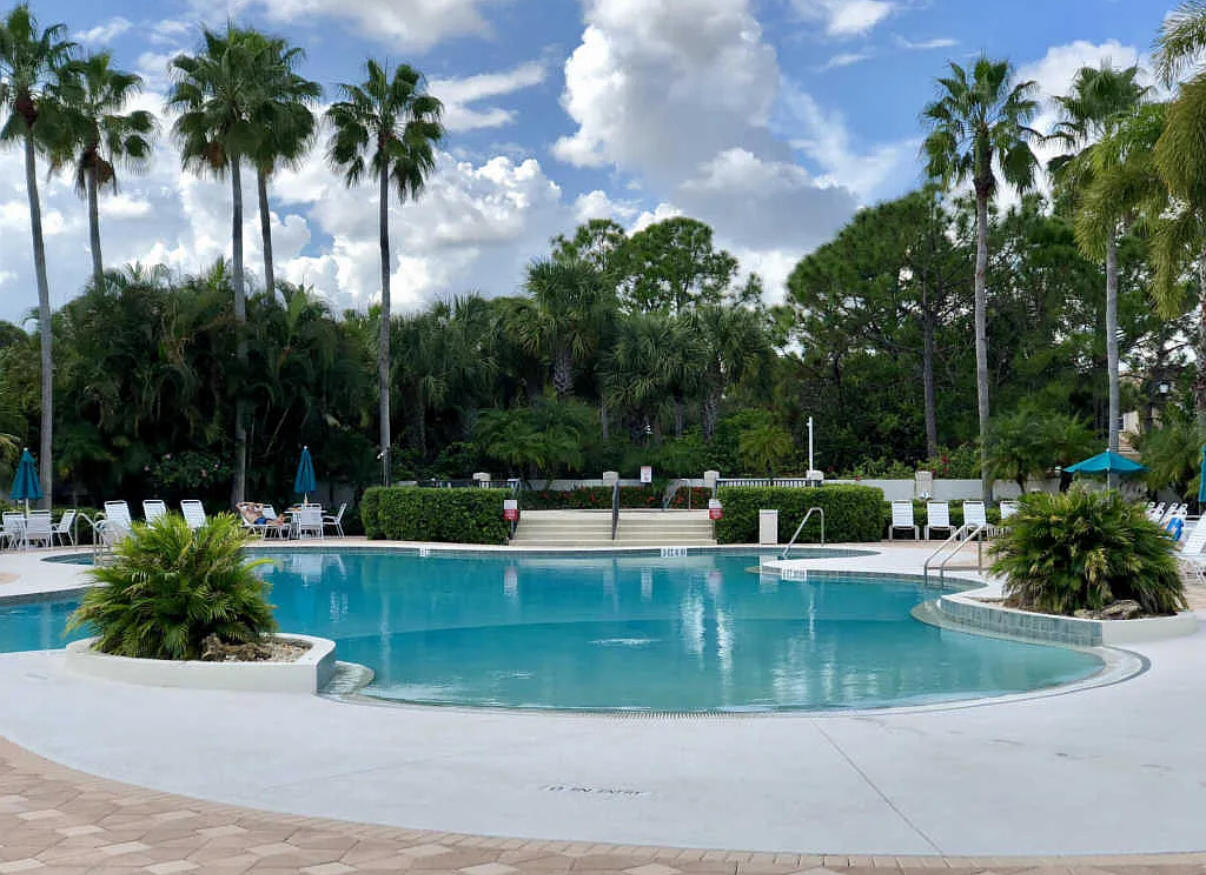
x=1083, y=551
x=170, y=588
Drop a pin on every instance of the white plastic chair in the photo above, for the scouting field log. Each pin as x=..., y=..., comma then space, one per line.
x=117, y=520
x=194, y=513
x=975, y=516
x=39, y=529
x=937, y=516
x=309, y=521
x=153, y=510
x=335, y=522
x=63, y=531
x=13, y=533
x=902, y=518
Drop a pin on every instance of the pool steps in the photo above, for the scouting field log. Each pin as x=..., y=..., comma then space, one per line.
x=591, y=528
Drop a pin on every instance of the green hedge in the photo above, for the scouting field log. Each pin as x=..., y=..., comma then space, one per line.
x=921, y=517
x=599, y=498
x=852, y=513
x=413, y=513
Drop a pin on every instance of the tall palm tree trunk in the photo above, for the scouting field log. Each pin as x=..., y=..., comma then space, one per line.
x=383, y=342
x=98, y=266
x=1111, y=321
x=563, y=372
x=261, y=185
x=239, y=487
x=982, y=337
x=39, y=248
x=930, y=399
x=1199, y=385
x=603, y=418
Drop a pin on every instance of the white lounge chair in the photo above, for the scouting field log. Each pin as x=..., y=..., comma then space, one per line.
x=308, y=521
x=63, y=529
x=902, y=518
x=975, y=516
x=1193, y=539
x=117, y=519
x=39, y=529
x=335, y=522
x=13, y=532
x=1156, y=513
x=938, y=516
x=153, y=510
x=194, y=513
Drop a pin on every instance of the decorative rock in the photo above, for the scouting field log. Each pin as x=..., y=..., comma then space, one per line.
x=1127, y=609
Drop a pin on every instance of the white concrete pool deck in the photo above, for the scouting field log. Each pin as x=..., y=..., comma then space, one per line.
x=1109, y=770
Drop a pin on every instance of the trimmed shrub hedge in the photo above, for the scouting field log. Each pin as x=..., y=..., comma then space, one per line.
x=413, y=513
x=852, y=513
x=921, y=517
x=599, y=498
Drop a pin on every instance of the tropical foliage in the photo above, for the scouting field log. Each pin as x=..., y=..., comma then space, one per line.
x=1083, y=551
x=168, y=589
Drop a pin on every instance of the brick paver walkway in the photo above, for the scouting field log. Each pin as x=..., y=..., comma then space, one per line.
x=57, y=820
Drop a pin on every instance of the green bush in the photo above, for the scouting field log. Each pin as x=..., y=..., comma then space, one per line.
x=1084, y=550
x=370, y=503
x=852, y=513
x=170, y=588
x=413, y=513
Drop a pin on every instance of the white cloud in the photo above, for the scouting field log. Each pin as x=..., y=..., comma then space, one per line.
x=598, y=204
x=415, y=25
x=846, y=59
x=458, y=94
x=926, y=45
x=104, y=33
x=844, y=18
x=659, y=86
x=826, y=140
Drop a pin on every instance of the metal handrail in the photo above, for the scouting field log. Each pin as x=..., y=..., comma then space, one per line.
x=959, y=537
x=672, y=490
x=800, y=528
x=615, y=508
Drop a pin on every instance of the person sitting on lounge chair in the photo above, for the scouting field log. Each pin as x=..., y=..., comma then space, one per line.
x=254, y=514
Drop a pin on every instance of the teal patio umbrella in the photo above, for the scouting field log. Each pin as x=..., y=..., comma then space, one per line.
x=1108, y=462
x=304, y=481
x=26, y=486
x=1202, y=478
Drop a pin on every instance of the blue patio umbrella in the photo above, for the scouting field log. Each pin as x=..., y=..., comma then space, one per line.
x=304, y=481
x=1108, y=462
x=1202, y=478
x=26, y=486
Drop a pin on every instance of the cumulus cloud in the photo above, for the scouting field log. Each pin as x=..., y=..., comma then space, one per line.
x=103, y=33
x=415, y=25
x=844, y=18
x=458, y=95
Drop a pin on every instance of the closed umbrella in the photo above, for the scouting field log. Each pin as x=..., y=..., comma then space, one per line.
x=25, y=484
x=304, y=482
x=1202, y=479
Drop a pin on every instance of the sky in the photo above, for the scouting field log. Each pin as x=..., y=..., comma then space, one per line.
x=771, y=120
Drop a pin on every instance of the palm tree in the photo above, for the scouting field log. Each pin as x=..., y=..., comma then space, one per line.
x=566, y=317
x=285, y=129
x=735, y=344
x=1101, y=99
x=978, y=125
x=765, y=448
x=1180, y=235
x=29, y=61
x=393, y=122
x=97, y=136
x=217, y=91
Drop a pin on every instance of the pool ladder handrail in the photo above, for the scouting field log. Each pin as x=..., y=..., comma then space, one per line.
x=959, y=538
x=615, y=508
x=800, y=528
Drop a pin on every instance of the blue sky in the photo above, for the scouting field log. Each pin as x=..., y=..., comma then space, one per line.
x=773, y=120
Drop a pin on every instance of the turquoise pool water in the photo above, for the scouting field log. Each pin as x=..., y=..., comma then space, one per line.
x=695, y=633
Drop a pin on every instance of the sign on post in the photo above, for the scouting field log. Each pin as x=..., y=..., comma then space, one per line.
x=510, y=509
x=646, y=473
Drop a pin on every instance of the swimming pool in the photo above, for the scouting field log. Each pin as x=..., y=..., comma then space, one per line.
x=606, y=631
